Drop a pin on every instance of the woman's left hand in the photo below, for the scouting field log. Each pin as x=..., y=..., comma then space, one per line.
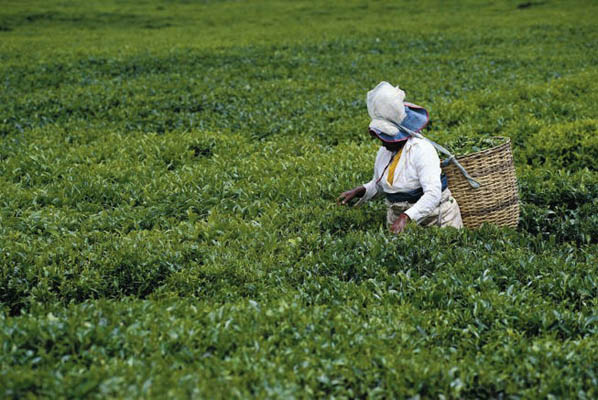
x=399, y=225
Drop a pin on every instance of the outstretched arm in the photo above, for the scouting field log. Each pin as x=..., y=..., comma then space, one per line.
x=366, y=191
x=347, y=196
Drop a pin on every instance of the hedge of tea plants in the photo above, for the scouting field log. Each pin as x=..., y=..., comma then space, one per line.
x=168, y=226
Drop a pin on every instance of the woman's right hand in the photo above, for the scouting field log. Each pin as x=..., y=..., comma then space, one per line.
x=347, y=196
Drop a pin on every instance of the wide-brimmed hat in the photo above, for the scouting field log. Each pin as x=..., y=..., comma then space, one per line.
x=389, y=113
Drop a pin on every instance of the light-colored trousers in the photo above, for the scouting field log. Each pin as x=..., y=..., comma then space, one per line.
x=446, y=214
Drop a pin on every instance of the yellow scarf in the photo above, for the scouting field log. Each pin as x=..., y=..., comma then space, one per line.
x=391, y=170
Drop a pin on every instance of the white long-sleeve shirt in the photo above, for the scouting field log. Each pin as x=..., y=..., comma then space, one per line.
x=419, y=166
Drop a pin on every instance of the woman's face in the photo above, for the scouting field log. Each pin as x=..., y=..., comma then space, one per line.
x=395, y=146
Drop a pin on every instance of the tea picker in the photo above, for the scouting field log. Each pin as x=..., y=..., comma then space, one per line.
x=407, y=170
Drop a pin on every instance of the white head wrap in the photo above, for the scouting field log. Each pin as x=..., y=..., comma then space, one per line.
x=386, y=108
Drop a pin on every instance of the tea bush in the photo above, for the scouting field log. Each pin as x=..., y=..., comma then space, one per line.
x=168, y=225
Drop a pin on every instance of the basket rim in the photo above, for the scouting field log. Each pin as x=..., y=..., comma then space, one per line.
x=499, y=147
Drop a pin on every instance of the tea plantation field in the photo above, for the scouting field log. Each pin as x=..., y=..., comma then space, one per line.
x=168, y=226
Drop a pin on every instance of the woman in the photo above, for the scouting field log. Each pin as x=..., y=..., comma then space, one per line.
x=407, y=169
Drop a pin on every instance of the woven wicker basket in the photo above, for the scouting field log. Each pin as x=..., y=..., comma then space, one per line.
x=496, y=201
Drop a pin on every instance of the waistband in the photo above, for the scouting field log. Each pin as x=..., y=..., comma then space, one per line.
x=413, y=196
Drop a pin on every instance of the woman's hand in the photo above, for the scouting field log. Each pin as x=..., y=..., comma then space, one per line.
x=399, y=225
x=347, y=196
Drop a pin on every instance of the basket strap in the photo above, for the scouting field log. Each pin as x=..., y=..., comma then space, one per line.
x=451, y=158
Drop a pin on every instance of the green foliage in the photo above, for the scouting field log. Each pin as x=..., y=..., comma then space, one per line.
x=168, y=225
x=464, y=145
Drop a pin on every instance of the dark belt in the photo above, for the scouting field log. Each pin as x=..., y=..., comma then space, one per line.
x=413, y=196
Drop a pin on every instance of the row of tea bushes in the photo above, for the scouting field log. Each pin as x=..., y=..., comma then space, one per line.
x=93, y=222
x=322, y=337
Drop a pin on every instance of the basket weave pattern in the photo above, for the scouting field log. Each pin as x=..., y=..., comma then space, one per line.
x=496, y=201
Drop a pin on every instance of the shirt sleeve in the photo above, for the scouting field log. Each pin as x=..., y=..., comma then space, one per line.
x=371, y=188
x=427, y=165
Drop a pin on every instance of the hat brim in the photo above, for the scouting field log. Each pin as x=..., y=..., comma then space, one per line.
x=415, y=120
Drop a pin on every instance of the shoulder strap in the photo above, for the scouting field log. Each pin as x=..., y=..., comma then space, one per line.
x=451, y=158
